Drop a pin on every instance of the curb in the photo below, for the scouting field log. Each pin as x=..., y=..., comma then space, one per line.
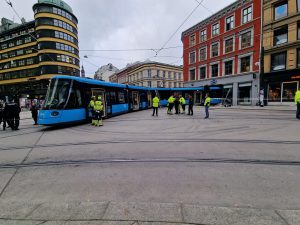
x=153, y=213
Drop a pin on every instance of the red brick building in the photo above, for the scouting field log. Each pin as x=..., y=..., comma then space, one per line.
x=225, y=49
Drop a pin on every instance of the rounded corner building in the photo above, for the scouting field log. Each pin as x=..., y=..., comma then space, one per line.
x=33, y=52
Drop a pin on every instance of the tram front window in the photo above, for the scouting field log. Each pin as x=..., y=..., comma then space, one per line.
x=57, y=94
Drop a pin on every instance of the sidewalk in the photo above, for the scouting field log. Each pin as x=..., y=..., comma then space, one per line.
x=140, y=213
x=270, y=108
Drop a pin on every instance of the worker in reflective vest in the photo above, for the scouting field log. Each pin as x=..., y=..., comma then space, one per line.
x=207, y=105
x=171, y=101
x=297, y=102
x=98, y=108
x=182, y=103
x=155, y=104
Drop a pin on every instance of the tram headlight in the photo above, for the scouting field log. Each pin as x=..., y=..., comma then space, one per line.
x=54, y=113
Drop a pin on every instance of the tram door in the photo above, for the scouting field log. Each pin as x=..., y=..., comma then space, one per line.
x=135, y=100
x=101, y=92
x=198, y=98
x=149, y=99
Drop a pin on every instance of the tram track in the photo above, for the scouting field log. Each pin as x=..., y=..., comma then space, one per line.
x=149, y=160
x=239, y=141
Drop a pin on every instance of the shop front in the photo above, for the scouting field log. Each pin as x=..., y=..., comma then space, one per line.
x=237, y=90
x=280, y=87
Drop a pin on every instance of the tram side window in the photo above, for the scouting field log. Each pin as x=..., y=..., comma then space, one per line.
x=122, y=98
x=75, y=99
x=144, y=97
x=113, y=97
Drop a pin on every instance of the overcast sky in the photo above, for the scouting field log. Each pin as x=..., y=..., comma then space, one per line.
x=126, y=24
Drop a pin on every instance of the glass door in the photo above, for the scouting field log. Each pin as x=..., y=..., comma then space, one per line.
x=288, y=91
x=101, y=93
x=136, y=100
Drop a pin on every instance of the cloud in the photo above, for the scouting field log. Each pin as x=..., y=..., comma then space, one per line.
x=126, y=24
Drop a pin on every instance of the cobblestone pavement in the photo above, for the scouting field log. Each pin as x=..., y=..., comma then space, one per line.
x=239, y=167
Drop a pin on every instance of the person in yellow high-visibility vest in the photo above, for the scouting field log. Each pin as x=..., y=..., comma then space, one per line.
x=171, y=101
x=155, y=104
x=207, y=105
x=98, y=108
x=297, y=102
x=182, y=103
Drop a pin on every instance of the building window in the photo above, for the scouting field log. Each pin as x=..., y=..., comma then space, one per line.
x=202, y=54
x=278, y=61
x=281, y=35
x=193, y=40
x=22, y=63
x=281, y=10
x=215, y=50
x=215, y=29
x=246, y=39
x=228, y=67
x=149, y=84
x=299, y=30
x=192, y=74
x=228, y=44
x=149, y=73
x=203, y=35
x=202, y=72
x=298, y=5
x=192, y=57
x=229, y=23
x=27, y=39
x=29, y=61
x=214, y=70
x=245, y=64
x=19, y=42
x=298, y=57
x=247, y=15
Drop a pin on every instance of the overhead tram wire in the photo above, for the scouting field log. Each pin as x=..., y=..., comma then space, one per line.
x=128, y=50
x=201, y=3
x=17, y=14
x=186, y=19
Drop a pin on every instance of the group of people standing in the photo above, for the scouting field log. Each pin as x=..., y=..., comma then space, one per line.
x=96, y=111
x=178, y=102
x=10, y=115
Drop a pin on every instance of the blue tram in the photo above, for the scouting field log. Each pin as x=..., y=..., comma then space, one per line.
x=68, y=97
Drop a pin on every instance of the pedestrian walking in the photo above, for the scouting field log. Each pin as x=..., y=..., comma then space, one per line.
x=207, y=105
x=171, y=101
x=182, y=103
x=98, y=109
x=191, y=105
x=155, y=104
x=297, y=102
x=34, y=112
x=2, y=115
x=261, y=98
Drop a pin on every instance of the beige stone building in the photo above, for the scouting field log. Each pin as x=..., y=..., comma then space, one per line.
x=281, y=42
x=154, y=74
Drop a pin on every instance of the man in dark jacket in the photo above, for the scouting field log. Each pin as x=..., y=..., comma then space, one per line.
x=176, y=104
x=2, y=115
x=12, y=111
x=191, y=105
x=34, y=112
